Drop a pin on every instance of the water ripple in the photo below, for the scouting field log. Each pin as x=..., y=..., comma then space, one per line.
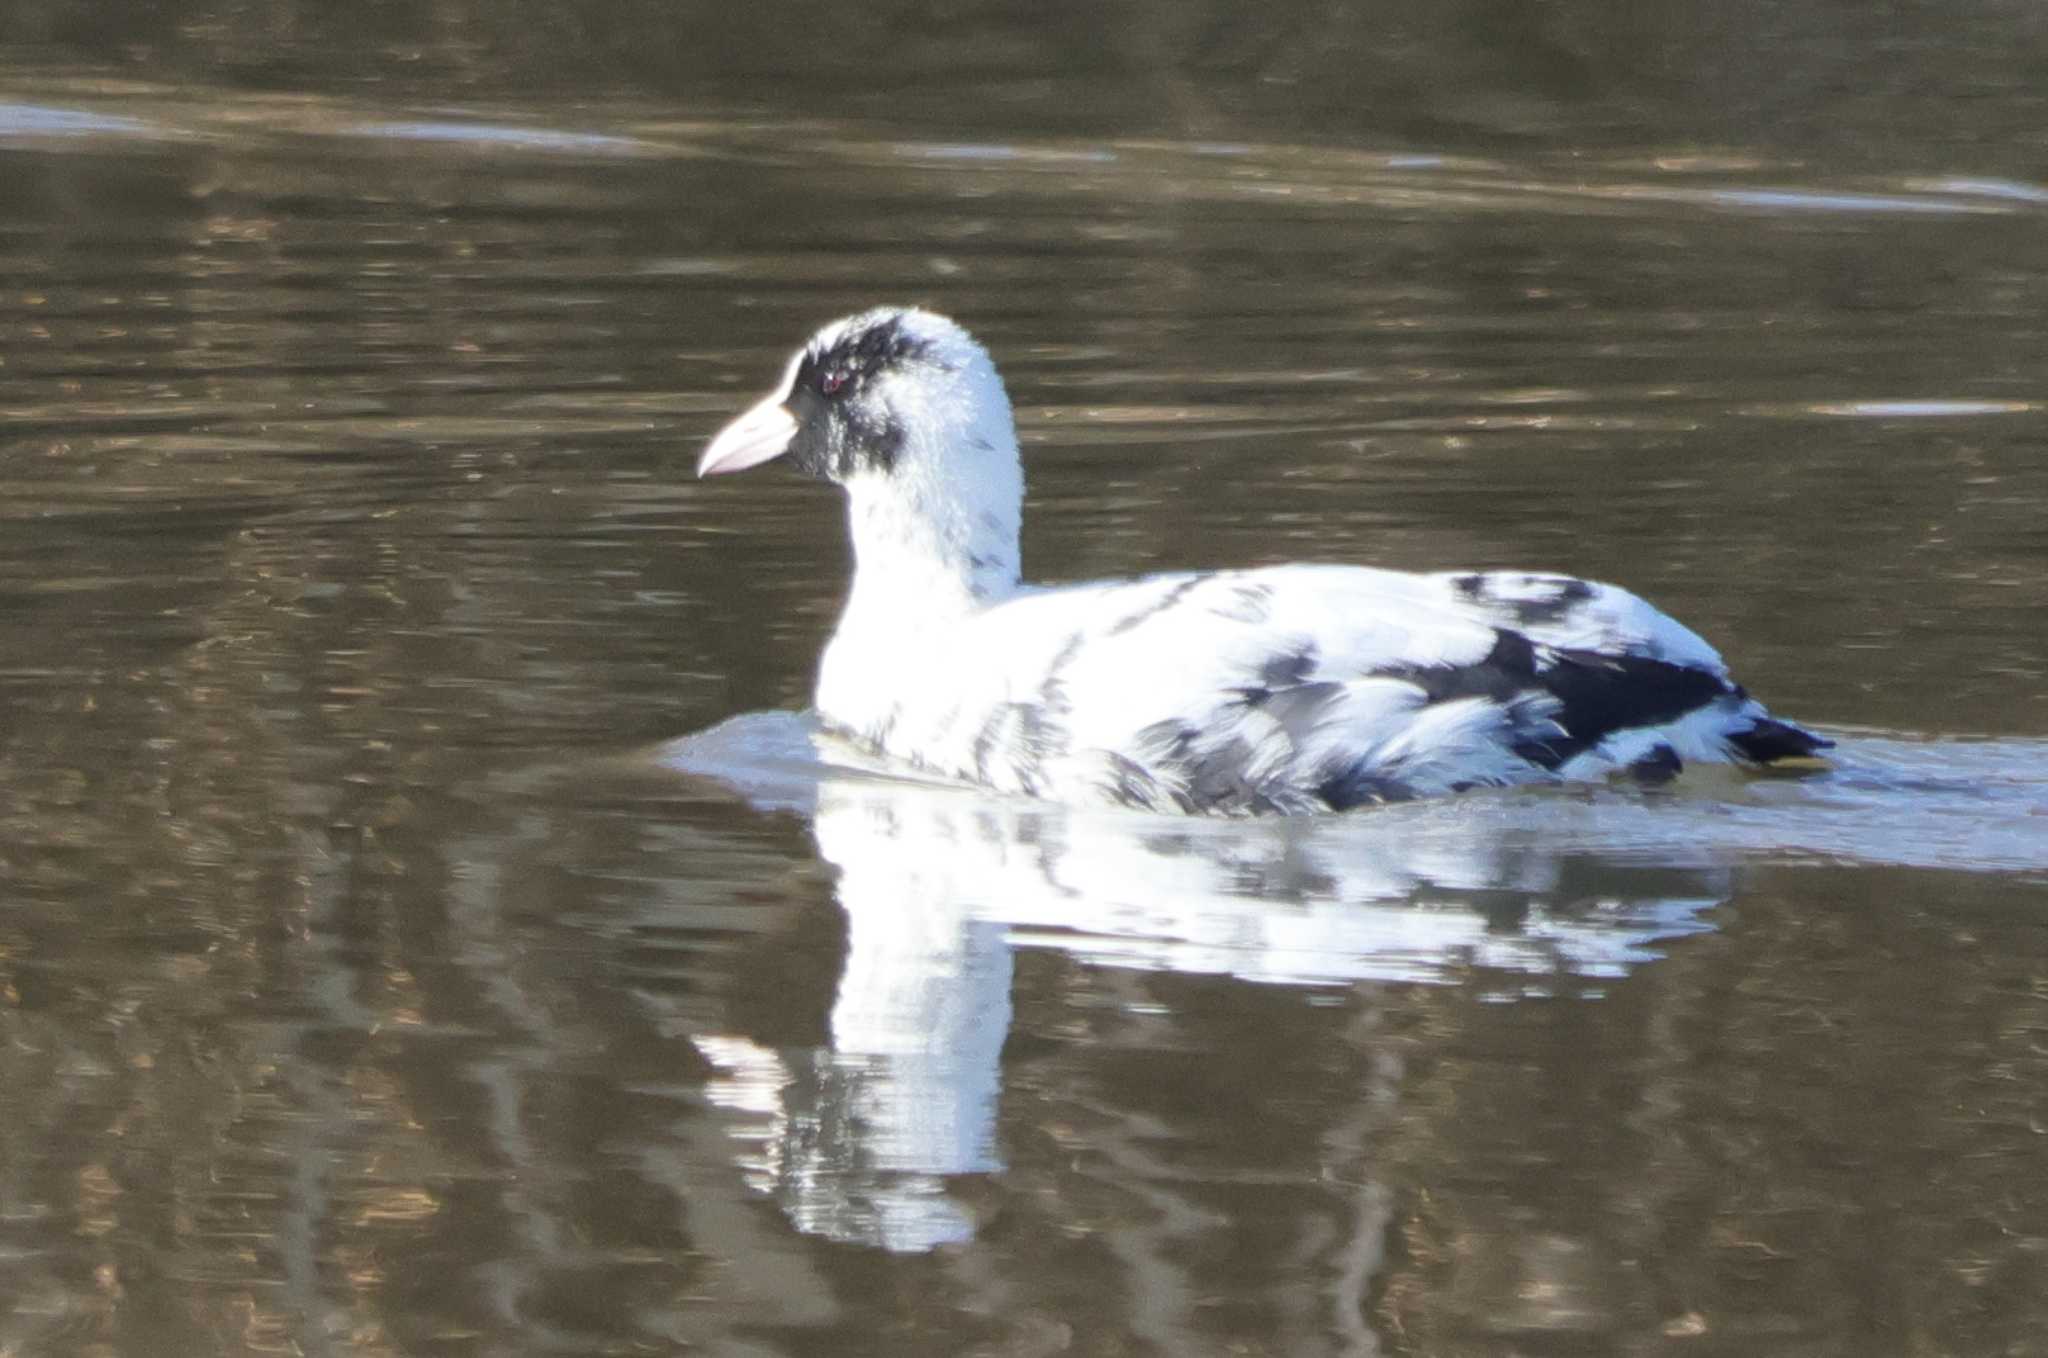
x=37, y=120
x=489, y=134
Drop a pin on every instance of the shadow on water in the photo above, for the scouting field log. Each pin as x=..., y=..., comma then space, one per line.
x=940, y=884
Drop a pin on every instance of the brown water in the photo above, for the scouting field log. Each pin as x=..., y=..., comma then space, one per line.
x=425, y=927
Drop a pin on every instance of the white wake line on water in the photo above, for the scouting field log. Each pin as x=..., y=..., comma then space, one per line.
x=1888, y=799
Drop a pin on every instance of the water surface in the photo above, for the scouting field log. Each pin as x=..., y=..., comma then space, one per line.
x=428, y=926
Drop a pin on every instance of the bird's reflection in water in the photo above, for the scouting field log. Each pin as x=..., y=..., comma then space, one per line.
x=940, y=886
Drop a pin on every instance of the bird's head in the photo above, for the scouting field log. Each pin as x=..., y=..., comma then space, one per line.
x=878, y=394
x=904, y=410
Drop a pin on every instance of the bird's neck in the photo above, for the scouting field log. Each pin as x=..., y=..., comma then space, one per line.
x=922, y=566
x=928, y=550
x=934, y=542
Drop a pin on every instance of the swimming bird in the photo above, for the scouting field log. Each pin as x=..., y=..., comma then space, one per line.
x=1281, y=689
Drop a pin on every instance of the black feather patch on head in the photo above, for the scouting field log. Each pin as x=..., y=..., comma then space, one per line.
x=842, y=427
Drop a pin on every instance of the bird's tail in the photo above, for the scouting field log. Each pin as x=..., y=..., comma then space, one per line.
x=1766, y=740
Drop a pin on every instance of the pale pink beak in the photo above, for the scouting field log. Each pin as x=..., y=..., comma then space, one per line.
x=760, y=435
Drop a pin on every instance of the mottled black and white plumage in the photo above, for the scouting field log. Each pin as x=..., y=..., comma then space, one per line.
x=1284, y=689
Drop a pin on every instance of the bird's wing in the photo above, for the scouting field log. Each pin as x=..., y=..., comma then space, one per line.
x=1296, y=687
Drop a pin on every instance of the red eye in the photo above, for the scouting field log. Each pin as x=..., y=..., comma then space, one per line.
x=830, y=383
